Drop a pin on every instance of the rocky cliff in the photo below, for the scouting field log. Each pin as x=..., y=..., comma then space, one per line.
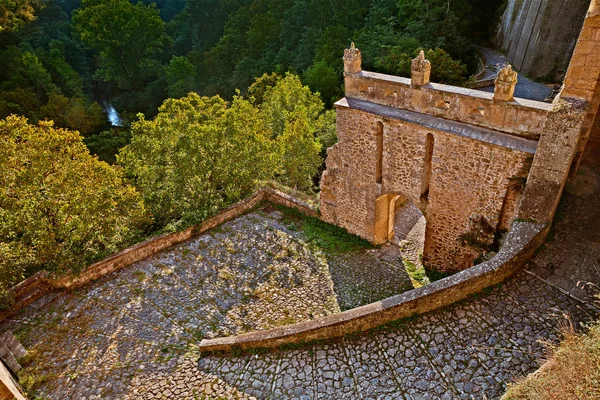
x=539, y=36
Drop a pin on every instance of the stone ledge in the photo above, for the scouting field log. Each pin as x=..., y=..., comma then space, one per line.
x=449, y=89
x=40, y=284
x=521, y=243
x=520, y=117
x=441, y=124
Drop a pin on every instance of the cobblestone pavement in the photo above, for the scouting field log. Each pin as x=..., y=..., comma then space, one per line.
x=141, y=324
x=132, y=334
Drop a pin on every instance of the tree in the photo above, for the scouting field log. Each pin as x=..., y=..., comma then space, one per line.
x=299, y=151
x=15, y=13
x=259, y=87
x=197, y=156
x=127, y=37
x=60, y=208
x=322, y=78
x=325, y=131
x=107, y=144
x=181, y=77
x=284, y=99
x=74, y=113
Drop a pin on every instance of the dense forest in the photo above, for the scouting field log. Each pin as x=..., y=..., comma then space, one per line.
x=215, y=98
x=69, y=60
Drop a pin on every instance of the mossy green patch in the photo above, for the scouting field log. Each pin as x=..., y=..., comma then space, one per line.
x=327, y=237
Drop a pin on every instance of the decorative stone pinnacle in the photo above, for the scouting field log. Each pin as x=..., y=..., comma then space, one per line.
x=505, y=83
x=420, y=70
x=352, y=52
x=420, y=63
x=352, y=60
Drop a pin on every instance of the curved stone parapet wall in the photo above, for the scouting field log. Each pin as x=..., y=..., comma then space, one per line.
x=520, y=244
x=41, y=283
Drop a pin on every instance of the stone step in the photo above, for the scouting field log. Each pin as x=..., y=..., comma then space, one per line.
x=9, y=358
x=11, y=351
x=13, y=344
x=31, y=295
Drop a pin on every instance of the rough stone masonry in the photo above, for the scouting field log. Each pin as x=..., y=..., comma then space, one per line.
x=391, y=150
x=471, y=161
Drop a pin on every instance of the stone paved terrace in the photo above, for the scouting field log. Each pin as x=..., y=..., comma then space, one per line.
x=131, y=335
x=255, y=272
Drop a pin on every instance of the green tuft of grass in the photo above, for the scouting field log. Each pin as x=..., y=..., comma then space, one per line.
x=417, y=275
x=435, y=275
x=327, y=237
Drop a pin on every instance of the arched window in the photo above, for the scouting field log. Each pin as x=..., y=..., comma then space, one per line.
x=427, y=168
x=379, y=139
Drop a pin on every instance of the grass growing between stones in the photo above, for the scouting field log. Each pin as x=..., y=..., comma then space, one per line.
x=330, y=238
x=571, y=372
x=417, y=274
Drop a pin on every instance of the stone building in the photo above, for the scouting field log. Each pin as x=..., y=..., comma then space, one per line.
x=471, y=161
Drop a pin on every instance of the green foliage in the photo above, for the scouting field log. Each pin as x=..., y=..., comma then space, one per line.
x=322, y=78
x=181, y=77
x=74, y=113
x=60, y=208
x=287, y=97
x=259, y=87
x=417, y=274
x=127, y=37
x=197, y=156
x=300, y=151
x=328, y=237
x=145, y=52
x=325, y=130
x=15, y=13
x=41, y=84
x=107, y=144
x=435, y=275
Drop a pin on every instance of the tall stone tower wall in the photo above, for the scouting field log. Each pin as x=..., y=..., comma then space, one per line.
x=539, y=35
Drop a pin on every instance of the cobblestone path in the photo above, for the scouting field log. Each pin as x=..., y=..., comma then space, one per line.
x=131, y=335
x=470, y=350
x=121, y=336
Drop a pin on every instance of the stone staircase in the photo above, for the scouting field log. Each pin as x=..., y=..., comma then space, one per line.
x=10, y=352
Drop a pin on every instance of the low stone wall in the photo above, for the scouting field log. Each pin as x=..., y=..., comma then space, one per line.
x=521, y=117
x=9, y=389
x=519, y=247
x=40, y=284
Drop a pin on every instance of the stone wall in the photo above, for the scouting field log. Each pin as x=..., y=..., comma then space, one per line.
x=521, y=243
x=539, y=35
x=463, y=182
x=583, y=77
x=569, y=125
x=521, y=117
